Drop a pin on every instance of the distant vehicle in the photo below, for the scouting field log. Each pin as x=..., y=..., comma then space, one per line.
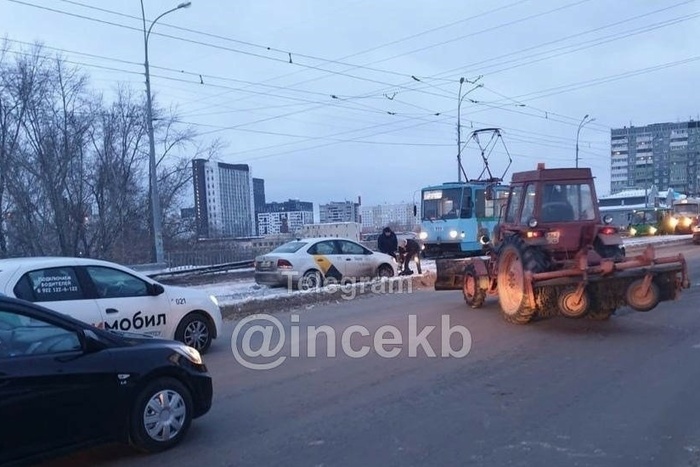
x=686, y=215
x=112, y=296
x=312, y=262
x=65, y=384
x=650, y=221
x=456, y=214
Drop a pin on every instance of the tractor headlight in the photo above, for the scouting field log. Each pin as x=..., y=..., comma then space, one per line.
x=423, y=235
x=453, y=234
x=532, y=223
x=607, y=219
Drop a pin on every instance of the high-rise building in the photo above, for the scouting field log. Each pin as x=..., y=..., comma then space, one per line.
x=665, y=155
x=223, y=197
x=285, y=217
x=400, y=216
x=343, y=211
x=258, y=199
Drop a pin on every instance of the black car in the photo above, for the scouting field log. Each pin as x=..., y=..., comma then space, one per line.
x=65, y=384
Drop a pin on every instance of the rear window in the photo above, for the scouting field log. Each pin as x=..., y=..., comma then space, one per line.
x=49, y=285
x=291, y=247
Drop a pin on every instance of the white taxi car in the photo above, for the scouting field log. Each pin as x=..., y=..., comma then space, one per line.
x=111, y=296
x=312, y=262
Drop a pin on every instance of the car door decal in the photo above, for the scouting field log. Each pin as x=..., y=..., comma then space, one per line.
x=327, y=267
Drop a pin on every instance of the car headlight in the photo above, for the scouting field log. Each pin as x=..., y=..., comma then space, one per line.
x=190, y=353
x=214, y=300
x=423, y=235
x=453, y=234
x=652, y=230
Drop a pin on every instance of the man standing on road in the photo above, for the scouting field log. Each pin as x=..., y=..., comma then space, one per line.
x=410, y=250
x=387, y=242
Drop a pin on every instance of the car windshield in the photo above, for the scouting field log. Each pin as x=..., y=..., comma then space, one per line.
x=567, y=202
x=291, y=247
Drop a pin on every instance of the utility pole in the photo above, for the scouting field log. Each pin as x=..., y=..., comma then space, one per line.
x=156, y=214
x=459, y=131
x=583, y=122
x=459, y=123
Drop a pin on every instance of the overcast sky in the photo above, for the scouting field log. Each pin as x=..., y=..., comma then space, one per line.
x=543, y=66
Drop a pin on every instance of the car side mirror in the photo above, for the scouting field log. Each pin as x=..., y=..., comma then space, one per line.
x=156, y=289
x=90, y=342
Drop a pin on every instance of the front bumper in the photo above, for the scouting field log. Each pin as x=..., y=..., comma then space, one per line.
x=202, y=394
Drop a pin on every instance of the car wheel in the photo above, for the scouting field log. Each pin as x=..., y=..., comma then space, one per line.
x=161, y=415
x=311, y=280
x=196, y=331
x=385, y=271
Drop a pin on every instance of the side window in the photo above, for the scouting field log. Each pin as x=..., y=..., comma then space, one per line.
x=324, y=248
x=480, y=206
x=22, y=336
x=50, y=285
x=514, y=204
x=112, y=283
x=528, y=204
x=467, y=204
x=349, y=248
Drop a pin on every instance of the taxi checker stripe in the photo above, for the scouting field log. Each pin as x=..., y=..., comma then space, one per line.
x=327, y=268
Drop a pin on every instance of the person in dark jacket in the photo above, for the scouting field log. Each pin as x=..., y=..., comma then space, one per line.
x=387, y=242
x=410, y=251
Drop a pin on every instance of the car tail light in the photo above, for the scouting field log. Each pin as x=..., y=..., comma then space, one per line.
x=608, y=230
x=283, y=264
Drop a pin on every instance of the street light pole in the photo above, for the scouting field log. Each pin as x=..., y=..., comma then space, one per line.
x=155, y=197
x=583, y=122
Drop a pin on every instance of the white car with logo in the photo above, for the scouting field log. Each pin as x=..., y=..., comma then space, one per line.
x=308, y=263
x=111, y=296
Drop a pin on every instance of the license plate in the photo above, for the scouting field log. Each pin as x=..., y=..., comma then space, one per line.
x=552, y=237
x=264, y=264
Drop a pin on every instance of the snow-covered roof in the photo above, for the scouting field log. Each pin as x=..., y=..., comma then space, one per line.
x=628, y=194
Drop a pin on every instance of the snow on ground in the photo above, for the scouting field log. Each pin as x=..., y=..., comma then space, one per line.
x=246, y=289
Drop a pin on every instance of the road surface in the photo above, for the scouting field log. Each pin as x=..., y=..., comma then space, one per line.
x=557, y=392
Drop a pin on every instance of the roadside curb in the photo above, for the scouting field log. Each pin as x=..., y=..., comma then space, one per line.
x=331, y=294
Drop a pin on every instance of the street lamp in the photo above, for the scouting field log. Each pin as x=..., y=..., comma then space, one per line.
x=583, y=122
x=155, y=198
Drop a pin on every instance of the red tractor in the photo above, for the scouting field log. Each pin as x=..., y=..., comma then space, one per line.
x=551, y=255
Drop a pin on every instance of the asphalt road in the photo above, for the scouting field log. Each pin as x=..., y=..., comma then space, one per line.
x=557, y=392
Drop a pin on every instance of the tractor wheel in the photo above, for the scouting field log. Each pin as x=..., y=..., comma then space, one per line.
x=514, y=259
x=640, y=301
x=473, y=294
x=570, y=307
x=614, y=252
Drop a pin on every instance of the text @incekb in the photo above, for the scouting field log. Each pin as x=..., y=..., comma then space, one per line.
x=261, y=342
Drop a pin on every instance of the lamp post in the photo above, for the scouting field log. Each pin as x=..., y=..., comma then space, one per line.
x=155, y=198
x=583, y=122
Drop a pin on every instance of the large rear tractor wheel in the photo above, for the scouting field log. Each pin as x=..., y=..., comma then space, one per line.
x=515, y=258
x=473, y=294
